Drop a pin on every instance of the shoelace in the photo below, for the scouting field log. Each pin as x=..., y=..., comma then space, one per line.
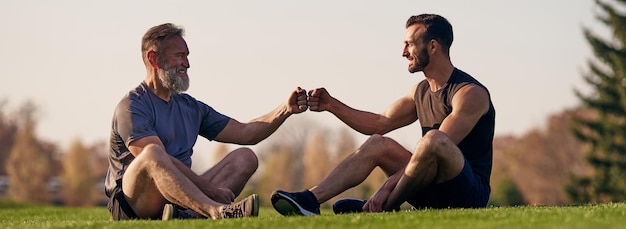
x=232, y=211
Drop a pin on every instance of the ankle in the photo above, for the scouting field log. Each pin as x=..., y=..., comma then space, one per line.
x=311, y=195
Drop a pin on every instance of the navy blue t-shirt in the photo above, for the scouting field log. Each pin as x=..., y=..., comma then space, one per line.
x=177, y=123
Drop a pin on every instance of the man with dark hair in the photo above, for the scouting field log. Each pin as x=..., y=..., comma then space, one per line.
x=154, y=129
x=450, y=165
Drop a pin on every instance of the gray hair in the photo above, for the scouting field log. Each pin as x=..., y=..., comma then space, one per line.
x=155, y=35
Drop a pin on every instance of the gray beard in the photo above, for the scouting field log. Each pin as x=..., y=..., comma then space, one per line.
x=170, y=80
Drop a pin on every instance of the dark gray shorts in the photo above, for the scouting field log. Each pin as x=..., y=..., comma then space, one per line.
x=466, y=190
x=118, y=206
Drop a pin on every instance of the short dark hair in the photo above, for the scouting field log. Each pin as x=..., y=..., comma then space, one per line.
x=437, y=27
x=155, y=35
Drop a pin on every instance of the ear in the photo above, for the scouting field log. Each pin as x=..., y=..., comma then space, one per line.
x=153, y=58
x=433, y=46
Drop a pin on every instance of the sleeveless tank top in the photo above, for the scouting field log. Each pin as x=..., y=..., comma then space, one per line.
x=433, y=107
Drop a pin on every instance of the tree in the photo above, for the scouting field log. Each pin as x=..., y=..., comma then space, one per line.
x=8, y=128
x=29, y=167
x=316, y=159
x=78, y=179
x=605, y=132
x=277, y=172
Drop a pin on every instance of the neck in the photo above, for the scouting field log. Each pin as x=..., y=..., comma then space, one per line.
x=154, y=83
x=437, y=75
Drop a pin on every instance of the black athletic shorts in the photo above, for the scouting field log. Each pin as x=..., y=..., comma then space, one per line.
x=118, y=206
x=466, y=190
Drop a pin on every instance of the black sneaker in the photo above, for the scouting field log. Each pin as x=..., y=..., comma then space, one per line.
x=171, y=211
x=348, y=205
x=248, y=207
x=295, y=203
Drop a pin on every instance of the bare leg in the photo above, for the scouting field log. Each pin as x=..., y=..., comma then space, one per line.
x=436, y=159
x=152, y=179
x=234, y=171
x=380, y=151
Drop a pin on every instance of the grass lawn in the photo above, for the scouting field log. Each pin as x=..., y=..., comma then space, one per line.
x=600, y=216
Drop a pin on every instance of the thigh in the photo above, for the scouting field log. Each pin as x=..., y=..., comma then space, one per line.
x=233, y=171
x=141, y=192
x=466, y=190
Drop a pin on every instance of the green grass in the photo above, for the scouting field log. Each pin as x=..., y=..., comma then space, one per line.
x=601, y=216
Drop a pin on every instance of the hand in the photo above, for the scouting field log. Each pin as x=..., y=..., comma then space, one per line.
x=319, y=99
x=376, y=202
x=221, y=195
x=298, y=101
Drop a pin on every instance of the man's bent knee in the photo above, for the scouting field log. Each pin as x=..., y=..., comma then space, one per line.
x=373, y=145
x=246, y=158
x=435, y=141
x=378, y=147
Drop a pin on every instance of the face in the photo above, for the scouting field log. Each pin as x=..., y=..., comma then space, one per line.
x=173, y=65
x=414, y=49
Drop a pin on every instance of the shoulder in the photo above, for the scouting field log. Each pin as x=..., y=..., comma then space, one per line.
x=137, y=98
x=461, y=79
x=134, y=94
x=466, y=90
x=473, y=97
x=421, y=87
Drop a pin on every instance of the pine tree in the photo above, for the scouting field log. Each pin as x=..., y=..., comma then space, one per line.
x=605, y=131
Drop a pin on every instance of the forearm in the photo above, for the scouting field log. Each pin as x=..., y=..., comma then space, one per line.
x=262, y=127
x=362, y=121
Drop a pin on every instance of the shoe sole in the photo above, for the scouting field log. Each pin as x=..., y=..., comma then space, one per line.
x=255, y=205
x=168, y=212
x=287, y=206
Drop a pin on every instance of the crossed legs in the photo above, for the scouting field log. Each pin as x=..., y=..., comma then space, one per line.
x=154, y=178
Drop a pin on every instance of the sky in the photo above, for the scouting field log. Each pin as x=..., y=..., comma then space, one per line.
x=76, y=59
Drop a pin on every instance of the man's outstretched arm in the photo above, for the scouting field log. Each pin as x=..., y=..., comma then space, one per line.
x=260, y=128
x=401, y=113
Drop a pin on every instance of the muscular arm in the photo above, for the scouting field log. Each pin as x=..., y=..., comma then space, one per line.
x=401, y=113
x=260, y=128
x=469, y=104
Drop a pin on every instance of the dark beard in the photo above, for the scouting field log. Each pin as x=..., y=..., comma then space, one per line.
x=423, y=59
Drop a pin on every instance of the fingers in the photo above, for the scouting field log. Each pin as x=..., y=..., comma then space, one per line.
x=315, y=99
x=222, y=195
x=366, y=207
x=301, y=99
x=312, y=100
x=372, y=206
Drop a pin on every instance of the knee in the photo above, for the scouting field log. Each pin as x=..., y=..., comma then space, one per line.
x=151, y=154
x=373, y=146
x=432, y=141
x=246, y=158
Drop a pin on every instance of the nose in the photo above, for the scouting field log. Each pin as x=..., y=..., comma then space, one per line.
x=186, y=63
x=405, y=51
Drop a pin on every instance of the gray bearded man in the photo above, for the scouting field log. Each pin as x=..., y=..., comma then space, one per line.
x=154, y=129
